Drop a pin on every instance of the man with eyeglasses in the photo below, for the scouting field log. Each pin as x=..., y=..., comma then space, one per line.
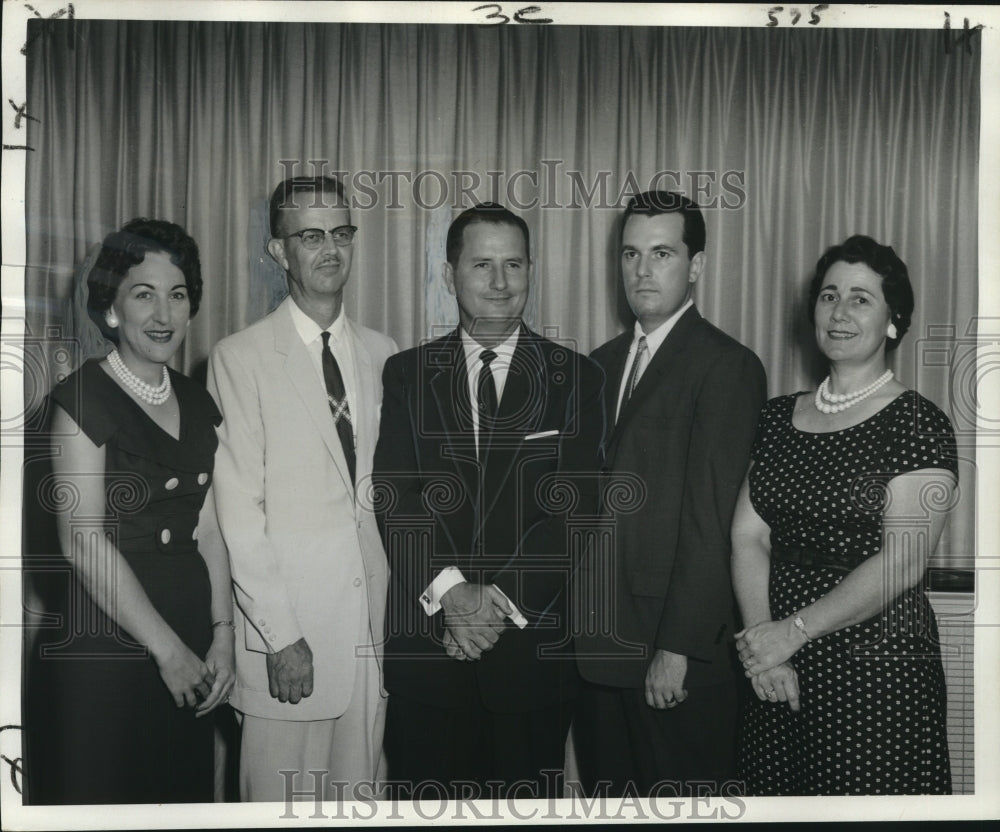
x=300, y=392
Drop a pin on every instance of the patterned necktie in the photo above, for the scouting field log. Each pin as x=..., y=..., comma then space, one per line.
x=488, y=404
x=635, y=372
x=336, y=395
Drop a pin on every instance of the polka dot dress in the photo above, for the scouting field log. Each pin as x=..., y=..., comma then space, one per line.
x=873, y=694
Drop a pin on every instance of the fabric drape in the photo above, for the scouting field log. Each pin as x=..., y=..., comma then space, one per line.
x=793, y=139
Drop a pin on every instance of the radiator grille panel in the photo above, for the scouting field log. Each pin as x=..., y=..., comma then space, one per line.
x=956, y=625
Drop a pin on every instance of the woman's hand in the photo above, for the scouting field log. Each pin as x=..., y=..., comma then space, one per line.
x=767, y=645
x=186, y=676
x=779, y=684
x=220, y=660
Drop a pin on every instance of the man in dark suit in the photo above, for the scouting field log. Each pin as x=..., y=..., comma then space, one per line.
x=655, y=637
x=484, y=435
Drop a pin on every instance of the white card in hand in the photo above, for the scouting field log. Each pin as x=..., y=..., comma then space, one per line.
x=515, y=613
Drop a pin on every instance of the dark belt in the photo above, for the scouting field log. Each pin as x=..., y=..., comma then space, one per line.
x=812, y=557
x=154, y=544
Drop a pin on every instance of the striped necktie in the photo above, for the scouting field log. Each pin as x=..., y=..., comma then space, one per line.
x=638, y=365
x=337, y=397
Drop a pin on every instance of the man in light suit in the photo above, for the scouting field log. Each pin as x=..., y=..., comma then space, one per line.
x=487, y=449
x=656, y=645
x=299, y=393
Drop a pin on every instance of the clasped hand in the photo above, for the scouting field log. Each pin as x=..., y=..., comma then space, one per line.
x=186, y=676
x=220, y=661
x=474, y=618
x=764, y=650
x=767, y=645
x=778, y=684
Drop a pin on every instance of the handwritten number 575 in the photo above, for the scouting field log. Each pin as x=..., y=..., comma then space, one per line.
x=796, y=15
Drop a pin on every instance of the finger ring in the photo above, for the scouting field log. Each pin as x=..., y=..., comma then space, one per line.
x=771, y=692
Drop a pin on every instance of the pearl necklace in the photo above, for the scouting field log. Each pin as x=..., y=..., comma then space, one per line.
x=146, y=392
x=827, y=402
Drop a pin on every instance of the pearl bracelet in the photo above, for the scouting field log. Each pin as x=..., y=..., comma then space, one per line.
x=224, y=622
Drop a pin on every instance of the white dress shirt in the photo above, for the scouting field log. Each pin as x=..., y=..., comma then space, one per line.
x=340, y=345
x=499, y=366
x=448, y=577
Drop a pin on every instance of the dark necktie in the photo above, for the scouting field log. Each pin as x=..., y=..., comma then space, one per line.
x=337, y=397
x=634, y=373
x=488, y=405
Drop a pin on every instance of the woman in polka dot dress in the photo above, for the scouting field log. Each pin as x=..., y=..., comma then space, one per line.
x=143, y=644
x=843, y=505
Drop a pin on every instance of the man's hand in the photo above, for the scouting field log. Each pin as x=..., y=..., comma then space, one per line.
x=665, y=680
x=290, y=672
x=452, y=649
x=474, y=617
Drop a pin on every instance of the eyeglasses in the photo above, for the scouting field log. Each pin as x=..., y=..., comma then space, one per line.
x=312, y=238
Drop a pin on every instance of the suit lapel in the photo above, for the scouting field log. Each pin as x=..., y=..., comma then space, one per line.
x=522, y=407
x=667, y=360
x=302, y=374
x=614, y=373
x=450, y=388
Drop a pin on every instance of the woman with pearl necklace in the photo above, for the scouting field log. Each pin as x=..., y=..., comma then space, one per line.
x=843, y=505
x=143, y=647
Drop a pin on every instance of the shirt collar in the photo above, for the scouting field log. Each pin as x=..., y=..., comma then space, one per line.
x=504, y=350
x=655, y=338
x=310, y=331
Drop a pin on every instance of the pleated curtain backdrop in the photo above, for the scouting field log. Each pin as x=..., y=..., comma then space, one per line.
x=792, y=139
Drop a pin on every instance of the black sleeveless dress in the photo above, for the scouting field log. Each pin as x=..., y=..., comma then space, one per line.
x=101, y=726
x=873, y=694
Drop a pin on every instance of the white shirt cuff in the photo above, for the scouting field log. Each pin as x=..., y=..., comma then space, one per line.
x=430, y=598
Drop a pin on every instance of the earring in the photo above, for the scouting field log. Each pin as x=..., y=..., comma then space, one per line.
x=891, y=331
x=111, y=319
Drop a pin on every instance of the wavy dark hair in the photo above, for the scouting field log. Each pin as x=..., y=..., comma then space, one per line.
x=128, y=247
x=884, y=262
x=488, y=212
x=654, y=203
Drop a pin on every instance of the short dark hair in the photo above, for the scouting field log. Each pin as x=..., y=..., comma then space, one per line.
x=284, y=196
x=884, y=262
x=490, y=212
x=128, y=247
x=654, y=203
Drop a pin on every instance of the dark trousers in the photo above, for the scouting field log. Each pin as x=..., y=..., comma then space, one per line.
x=467, y=752
x=622, y=741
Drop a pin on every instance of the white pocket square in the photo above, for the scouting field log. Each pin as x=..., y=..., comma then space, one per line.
x=541, y=435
